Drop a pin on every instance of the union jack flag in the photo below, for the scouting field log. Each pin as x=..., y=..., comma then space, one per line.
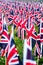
x=12, y=57
x=4, y=40
x=37, y=51
x=27, y=55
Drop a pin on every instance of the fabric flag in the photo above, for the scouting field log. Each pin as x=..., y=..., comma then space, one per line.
x=1, y=27
x=37, y=49
x=41, y=26
x=5, y=29
x=4, y=50
x=4, y=43
x=12, y=57
x=27, y=54
x=4, y=39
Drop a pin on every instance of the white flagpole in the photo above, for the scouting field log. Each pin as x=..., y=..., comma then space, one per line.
x=24, y=51
x=18, y=32
x=5, y=59
x=12, y=31
x=22, y=34
x=2, y=16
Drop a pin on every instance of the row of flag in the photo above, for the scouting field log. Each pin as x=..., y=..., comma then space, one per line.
x=24, y=10
x=9, y=49
x=24, y=20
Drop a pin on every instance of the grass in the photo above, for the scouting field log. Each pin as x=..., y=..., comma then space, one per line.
x=2, y=60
